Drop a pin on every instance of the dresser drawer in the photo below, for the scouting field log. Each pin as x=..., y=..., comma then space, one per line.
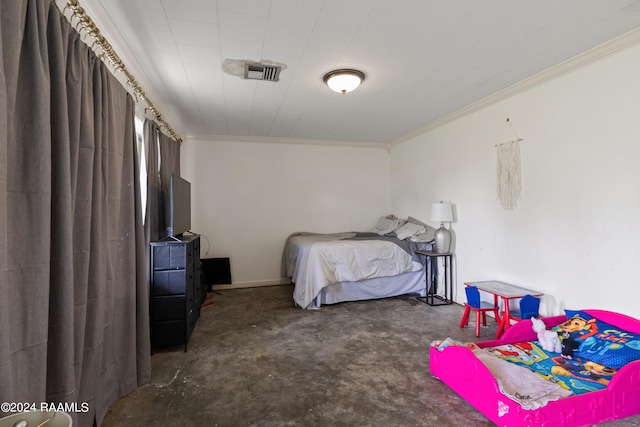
x=169, y=282
x=170, y=256
x=169, y=333
x=170, y=308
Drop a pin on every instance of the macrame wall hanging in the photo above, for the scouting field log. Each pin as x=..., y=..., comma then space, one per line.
x=509, y=170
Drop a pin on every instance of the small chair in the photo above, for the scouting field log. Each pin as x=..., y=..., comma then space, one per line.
x=529, y=307
x=480, y=307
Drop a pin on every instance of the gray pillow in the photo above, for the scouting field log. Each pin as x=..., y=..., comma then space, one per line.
x=409, y=230
x=427, y=236
x=385, y=225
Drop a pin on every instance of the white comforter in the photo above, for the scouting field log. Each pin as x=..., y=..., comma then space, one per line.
x=314, y=261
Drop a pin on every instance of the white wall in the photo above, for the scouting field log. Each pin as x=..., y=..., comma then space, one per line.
x=574, y=235
x=247, y=197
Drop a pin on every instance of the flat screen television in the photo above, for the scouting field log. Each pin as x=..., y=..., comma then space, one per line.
x=179, y=206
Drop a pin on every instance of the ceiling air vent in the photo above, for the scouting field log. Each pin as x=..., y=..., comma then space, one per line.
x=254, y=71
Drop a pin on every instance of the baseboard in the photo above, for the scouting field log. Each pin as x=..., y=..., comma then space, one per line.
x=242, y=285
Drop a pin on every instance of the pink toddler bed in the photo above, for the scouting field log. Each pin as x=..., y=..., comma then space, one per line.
x=608, y=340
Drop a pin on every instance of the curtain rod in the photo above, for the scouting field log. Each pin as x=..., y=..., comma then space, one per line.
x=107, y=52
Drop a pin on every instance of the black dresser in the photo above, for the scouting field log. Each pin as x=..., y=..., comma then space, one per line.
x=176, y=290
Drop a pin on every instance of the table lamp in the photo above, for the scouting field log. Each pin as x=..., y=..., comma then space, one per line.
x=442, y=212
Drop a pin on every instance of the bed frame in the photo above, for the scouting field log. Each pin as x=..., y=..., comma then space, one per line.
x=457, y=367
x=380, y=287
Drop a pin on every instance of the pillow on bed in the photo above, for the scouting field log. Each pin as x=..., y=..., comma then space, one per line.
x=427, y=227
x=423, y=238
x=385, y=225
x=408, y=230
x=598, y=341
x=427, y=236
x=412, y=220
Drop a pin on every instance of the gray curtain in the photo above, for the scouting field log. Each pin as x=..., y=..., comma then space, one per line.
x=169, y=164
x=163, y=159
x=154, y=222
x=170, y=155
x=73, y=282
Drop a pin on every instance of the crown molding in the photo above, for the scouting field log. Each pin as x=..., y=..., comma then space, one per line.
x=588, y=57
x=274, y=140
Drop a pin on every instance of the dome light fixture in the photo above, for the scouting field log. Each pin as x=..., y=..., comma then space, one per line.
x=343, y=80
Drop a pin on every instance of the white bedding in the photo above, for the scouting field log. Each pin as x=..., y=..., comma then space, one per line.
x=520, y=384
x=315, y=261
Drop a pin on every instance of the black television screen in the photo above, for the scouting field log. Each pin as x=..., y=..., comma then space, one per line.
x=179, y=206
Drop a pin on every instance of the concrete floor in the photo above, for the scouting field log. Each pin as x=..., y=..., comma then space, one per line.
x=256, y=360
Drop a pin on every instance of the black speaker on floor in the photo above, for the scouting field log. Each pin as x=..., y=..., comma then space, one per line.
x=217, y=271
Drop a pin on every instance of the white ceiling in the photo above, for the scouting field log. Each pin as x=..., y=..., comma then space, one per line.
x=423, y=59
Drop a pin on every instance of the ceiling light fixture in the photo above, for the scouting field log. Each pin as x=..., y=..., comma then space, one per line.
x=344, y=80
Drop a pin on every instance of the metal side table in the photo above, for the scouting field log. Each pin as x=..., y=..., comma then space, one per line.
x=433, y=296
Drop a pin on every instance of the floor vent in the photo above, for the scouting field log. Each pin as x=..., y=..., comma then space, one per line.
x=262, y=72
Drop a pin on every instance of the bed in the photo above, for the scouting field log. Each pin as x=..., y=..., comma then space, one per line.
x=354, y=266
x=598, y=382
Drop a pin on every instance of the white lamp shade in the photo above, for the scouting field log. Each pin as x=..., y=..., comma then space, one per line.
x=441, y=212
x=343, y=81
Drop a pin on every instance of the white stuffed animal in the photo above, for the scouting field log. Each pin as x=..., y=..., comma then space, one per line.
x=548, y=339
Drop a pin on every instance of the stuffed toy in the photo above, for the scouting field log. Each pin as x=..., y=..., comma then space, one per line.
x=569, y=345
x=549, y=340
